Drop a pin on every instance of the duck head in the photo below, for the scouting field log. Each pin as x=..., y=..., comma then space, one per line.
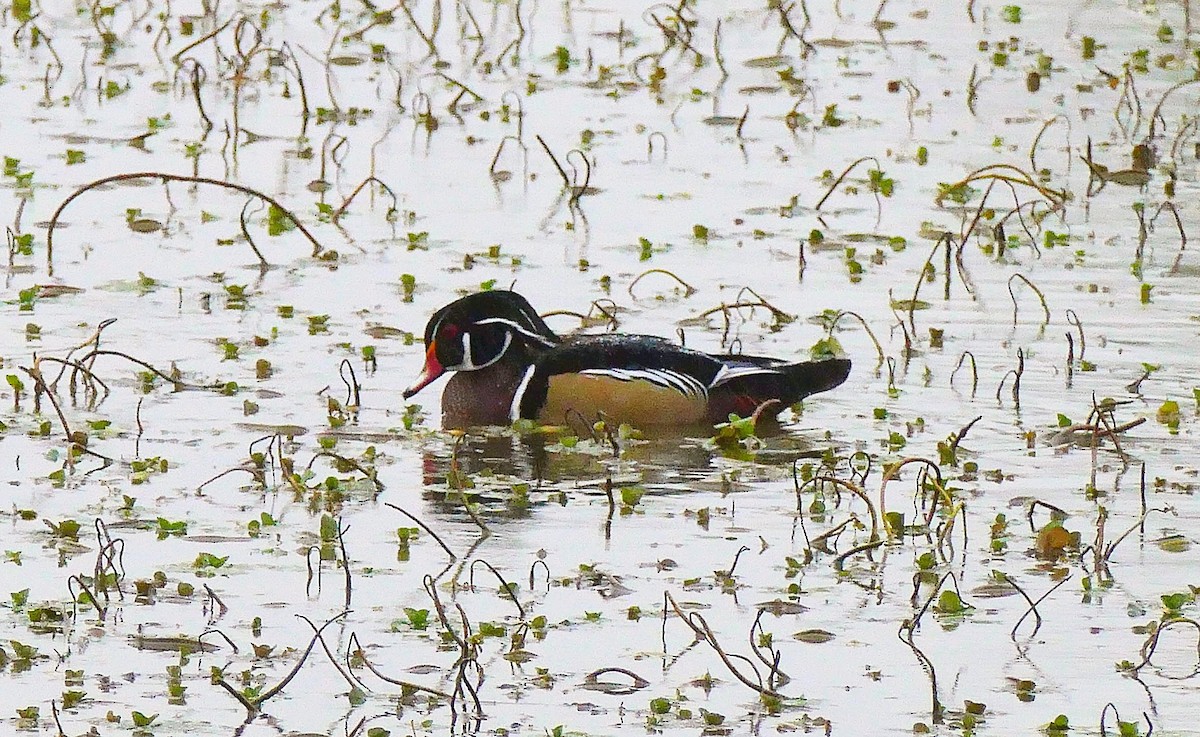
x=478, y=331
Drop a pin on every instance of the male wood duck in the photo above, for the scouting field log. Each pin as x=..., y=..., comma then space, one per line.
x=511, y=365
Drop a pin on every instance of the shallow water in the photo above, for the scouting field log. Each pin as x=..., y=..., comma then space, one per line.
x=663, y=516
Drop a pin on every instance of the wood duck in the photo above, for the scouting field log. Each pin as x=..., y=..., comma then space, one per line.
x=510, y=365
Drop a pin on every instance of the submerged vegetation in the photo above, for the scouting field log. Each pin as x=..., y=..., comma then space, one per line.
x=229, y=223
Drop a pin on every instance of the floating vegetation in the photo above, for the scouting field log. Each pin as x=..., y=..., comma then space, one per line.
x=226, y=227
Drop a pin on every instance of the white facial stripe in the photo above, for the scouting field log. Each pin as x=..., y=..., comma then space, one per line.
x=503, y=350
x=543, y=340
x=468, y=361
x=514, y=411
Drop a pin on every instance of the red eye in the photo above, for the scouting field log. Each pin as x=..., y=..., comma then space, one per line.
x=450, y=331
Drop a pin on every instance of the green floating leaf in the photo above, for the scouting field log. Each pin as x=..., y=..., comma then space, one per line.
x=814, y=636
x=903, y=305
x=950, y=603
x=1174, y=543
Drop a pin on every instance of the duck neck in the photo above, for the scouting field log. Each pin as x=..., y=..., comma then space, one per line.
x=484, y=396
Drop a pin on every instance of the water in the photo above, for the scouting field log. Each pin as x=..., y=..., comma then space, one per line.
x=924, y=92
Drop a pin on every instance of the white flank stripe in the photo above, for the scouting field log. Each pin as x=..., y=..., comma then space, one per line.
x=686, y=385
x=728, y=373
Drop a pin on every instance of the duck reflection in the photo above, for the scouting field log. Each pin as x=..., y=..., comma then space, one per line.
x=507, y=475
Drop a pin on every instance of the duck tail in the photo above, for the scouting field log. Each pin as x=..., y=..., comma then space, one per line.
x=813, y=377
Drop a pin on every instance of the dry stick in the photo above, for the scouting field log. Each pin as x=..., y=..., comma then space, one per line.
x=1178, y=224
x=353, y=388
x=1032, y=604
x=91, y=596
x=285, y=48
x=912, y=305
x=252, y=471
x=671, y=35
x=273, y=691
x=699, y=626
x=210, y=35
x=908, y=627
x=174, y=380
x=578, y=190
x=892, y=471
x=689, y=290
x=840, y=561
x=463, y=90
x=356, y=649
x=561, y=171
x=1016, y=374
x=853, y=489
x=775, y=677
x=308, y=564
x=35, y=373
x=79, y=367
x=249, y=706
x=420, y=31
x=57, y=722
x=1106, y=418
x=777, y=313
x=1055, y=512
x=369, y=473
x=908, y=335
x=844, y=174
x=105, y=558
x=462, y=492
x=424, y=527
x=725, y=308
x=717, y=51
x=1151, y=643
x=963, y=433
x=1117, y=714
x=1112, y=547
x=520, y=111
x=1142, y=527
x=974, y=371
x=972, y=88
x=508, y=589
x=859, y=473
x=1184, y=130
x=1038, y=292
x=545, y=566
x=799, y=510
x=166, y=177
x=199, y=77
x=345, y=673
x=498, y=176
x=1098, y=564
x=1014, y=175
x=1157, y=114
x=737, y=556
x=1073, y=320
x=818, y=542
x=430, y=586
x=337, y=214
x=341, y=536
x=1036, y=139
x=262, y=261
x=1018, y=206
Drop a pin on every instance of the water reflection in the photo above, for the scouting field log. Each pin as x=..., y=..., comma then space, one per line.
x=508, y=475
